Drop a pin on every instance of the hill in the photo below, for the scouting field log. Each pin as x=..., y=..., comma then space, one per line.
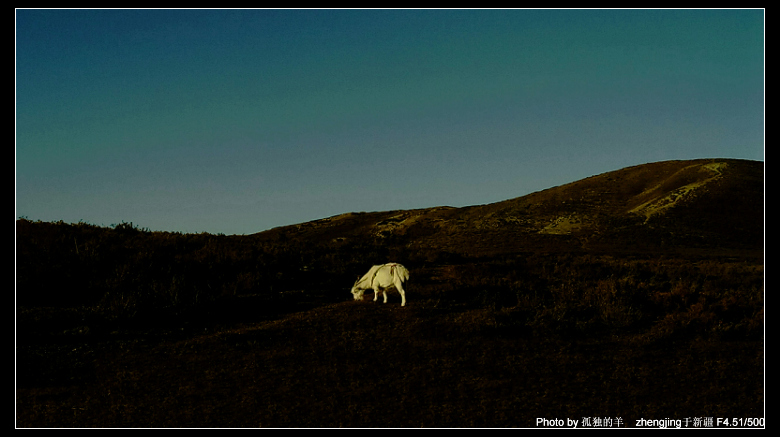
x=635, y=294
x=709, y=204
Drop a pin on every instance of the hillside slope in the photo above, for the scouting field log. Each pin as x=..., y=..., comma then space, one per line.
x=633, y=294
x=696, y=204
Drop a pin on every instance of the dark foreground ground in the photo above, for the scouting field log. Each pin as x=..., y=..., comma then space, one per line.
x=365, y=364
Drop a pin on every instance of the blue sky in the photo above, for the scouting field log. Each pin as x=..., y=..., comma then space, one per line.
x=237, y=121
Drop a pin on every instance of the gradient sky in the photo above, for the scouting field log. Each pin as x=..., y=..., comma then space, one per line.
x=237, y=121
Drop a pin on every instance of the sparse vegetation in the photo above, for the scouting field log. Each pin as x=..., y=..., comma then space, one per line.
x=124, y=327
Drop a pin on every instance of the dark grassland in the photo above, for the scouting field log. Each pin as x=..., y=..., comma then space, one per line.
x=128, y=328
x=613, y=317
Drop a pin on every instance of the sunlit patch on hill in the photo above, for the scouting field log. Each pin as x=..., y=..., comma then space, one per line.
x=661, y=199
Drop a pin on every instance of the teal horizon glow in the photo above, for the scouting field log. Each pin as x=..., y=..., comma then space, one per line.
x=237, y=121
